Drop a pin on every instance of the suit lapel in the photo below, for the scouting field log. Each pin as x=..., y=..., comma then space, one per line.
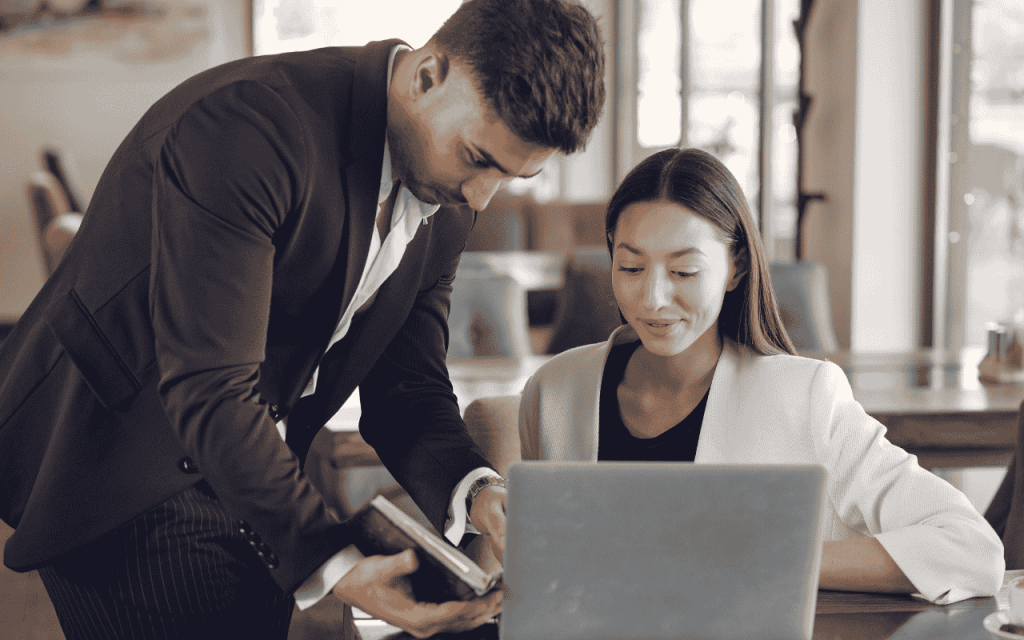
x=349, y=360
x=365, y=155
x=352, y=358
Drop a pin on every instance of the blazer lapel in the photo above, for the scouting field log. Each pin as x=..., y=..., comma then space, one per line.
x=352, y=359
x=718, y=429
x=365, y=156
x=363, y=153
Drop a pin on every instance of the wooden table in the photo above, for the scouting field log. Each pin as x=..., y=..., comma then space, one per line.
x=838, y=616
x=934, y=406
x=931, y=401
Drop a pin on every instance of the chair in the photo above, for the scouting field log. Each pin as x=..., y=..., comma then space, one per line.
x=488, y=315
x=493, y=424
x=66, y=177
x=586, y=311
x=1006, y=511
x=801, y=290
x=559, y=226
x=56, y=224
x=500, y=227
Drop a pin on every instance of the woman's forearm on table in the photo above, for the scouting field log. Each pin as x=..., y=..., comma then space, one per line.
x=861, y=565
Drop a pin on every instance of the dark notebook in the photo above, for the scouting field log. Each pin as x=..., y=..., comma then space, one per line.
x=445, y=573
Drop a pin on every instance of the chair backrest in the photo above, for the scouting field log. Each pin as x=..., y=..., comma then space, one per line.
x=67, y=177
x=500, y=227
x=48, y=203
x=586, y=311
x=559, y=226
x=59, y=234
x=488, y=316
x=801, y=289
x=493, y=424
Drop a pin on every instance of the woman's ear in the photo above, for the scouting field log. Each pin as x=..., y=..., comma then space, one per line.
x=741, y=262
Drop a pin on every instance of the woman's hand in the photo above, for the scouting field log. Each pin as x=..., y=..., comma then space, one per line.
x=379, y=586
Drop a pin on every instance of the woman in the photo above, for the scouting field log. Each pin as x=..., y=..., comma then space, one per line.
x=702, y=370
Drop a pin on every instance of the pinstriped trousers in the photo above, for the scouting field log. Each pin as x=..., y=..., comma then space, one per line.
x=181, y=570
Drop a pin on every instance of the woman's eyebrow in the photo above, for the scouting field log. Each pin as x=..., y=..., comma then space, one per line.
x=675, y=254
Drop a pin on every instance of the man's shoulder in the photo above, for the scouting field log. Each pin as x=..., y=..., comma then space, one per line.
x=319, y=71
x=325, y=67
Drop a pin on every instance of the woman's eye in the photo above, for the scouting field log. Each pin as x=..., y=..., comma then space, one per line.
x=685, y=274
x=630, y=269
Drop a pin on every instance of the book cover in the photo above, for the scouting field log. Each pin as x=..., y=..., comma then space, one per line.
x=445, y=573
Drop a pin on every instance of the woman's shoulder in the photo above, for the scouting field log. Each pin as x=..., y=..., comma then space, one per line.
x=781, y=368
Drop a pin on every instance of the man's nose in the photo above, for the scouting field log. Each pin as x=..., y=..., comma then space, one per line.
x=479, y=191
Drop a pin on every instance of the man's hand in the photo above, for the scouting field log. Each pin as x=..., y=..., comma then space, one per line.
x=488, y=516
x=378, y=585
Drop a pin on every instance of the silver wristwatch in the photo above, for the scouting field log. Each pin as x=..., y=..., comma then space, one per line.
x=480, y=485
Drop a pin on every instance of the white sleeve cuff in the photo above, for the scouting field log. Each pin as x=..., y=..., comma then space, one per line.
x=458, y=520
x=321, y=581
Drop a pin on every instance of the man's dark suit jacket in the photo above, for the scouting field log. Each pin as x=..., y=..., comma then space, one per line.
x=221, y=245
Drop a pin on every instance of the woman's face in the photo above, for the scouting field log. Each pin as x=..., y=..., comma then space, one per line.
x=670, y=273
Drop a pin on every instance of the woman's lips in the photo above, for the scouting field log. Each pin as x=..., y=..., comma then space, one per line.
x=659, y=327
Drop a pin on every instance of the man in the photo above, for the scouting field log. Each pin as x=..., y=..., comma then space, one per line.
x=265, y=240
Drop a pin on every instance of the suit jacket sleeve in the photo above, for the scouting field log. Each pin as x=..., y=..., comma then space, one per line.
x=228, y=174
x=410, y=414
x=930, y=529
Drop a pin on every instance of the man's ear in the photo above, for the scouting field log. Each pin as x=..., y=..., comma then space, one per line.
x=431, y=72
x=742, y=262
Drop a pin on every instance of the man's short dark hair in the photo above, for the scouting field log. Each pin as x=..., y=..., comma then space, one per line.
x=538, y=63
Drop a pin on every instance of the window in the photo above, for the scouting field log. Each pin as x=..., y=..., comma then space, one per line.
x=724, y=103
x=984, y=235
x=696, y=69
x=299, y=25
x=659, y=86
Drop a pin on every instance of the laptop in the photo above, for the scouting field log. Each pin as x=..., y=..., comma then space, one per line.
x=622, y=550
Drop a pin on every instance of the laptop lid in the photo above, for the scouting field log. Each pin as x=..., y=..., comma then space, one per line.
x=618, y=550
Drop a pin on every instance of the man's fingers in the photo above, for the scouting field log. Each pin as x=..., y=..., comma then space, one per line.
x=463, y=616
x=498, y=544
x=400, y=565
x=494, y=522
x=454, y=616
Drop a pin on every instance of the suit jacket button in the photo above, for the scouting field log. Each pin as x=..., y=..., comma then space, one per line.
x=187, y=465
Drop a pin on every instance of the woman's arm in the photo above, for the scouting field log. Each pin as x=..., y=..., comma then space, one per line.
x=926, y=527
x=861, y=565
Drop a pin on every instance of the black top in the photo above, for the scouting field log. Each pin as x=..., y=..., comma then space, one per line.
x=615, y=442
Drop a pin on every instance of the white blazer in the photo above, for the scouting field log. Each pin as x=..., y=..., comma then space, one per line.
x=791, y=410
